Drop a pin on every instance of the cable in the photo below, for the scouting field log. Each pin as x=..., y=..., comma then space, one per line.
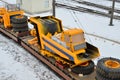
x=76, y=19
x=82, y=27
x=71, y=13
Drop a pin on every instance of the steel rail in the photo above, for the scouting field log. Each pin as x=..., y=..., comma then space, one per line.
x=115, y=1
x=96, y=5
x=86, y=10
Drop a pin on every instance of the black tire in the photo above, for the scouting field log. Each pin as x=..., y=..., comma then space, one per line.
x=85, y=70
x=18, y=20
x=105, y=71
x=99, y=77
x=22, y=25
x=20, y=30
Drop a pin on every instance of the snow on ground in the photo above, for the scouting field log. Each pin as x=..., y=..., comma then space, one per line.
x=18, y=64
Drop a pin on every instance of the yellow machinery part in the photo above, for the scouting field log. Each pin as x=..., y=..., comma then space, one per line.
x=56, y=57
x=6, y=19
x=2, y=11
x=48, y=46
x=33, y=32
x=112, y=64
x=5, y=15
x=1, y=20
x=33, y=41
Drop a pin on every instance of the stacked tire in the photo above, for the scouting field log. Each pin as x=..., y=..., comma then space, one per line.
x=19, y=23
x=108, y=69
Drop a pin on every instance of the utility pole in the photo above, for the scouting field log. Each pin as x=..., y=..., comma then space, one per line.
x=112, y=13
x=53, y=4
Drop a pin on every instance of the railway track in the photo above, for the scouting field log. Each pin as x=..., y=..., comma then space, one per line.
x=96, y=5
x=86, y=10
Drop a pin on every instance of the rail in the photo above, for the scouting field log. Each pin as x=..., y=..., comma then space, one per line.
x=86, y=10
x=96, y=5
x=115, y=1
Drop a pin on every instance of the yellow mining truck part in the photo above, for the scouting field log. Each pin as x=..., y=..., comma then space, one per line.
x=67, y=47
x=6, y=14
x=12, y=17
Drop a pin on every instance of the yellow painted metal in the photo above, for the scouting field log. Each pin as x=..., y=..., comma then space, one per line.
x=71, y=38
x=58, y=45
x=1, y=20
x=2, y=11
x=11, y=13
x=33, y=41
x=73, y=31
x=52, y=48
x=112, y=64
x=84, y=64
x=33, y=32
x=56, y=57
x=6, y=16
x=36, y=21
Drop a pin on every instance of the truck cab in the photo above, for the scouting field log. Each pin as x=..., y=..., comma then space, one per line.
x=74, y=39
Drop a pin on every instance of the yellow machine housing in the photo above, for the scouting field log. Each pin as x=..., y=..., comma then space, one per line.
x=5, y=16
x=66, y=46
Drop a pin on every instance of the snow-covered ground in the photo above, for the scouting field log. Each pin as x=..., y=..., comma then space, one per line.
x=17, y=64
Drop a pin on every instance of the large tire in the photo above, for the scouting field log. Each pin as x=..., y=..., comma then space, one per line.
x=99, y=77
x=20, y=29
x=106, y=69
x=85, y=70
x=18, y=19
x=22, y=25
